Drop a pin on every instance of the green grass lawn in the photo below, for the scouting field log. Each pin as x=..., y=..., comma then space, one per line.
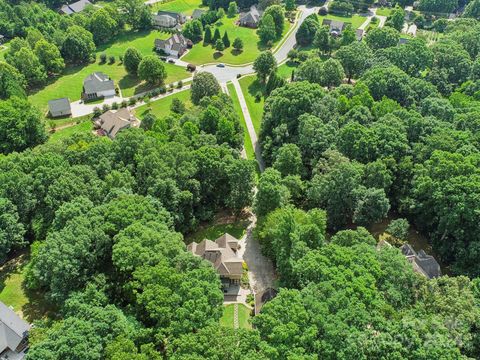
x=70, y=83
x=215, y=229
x=355, y=20
x=3, y=50
x=202, y=54
x=185, y=7
x=84, y=127
x=429, y=36
x=243, y=316
x=250, y=86
x=161, y=108
x=384, y=11
x=285, y=70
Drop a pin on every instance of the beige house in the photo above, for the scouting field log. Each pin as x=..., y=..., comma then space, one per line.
x=113, y=121
x=222, y=253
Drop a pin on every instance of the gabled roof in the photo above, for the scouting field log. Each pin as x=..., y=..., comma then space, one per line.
x=115, y=120
x=176, y=42
x=59, y=105
x=12, y=328
x=75, y=7
x=197, y=13
x=421, y=262
x=97, y=82
x=252, y=17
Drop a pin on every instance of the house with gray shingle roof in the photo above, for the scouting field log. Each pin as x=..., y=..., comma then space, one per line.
x=422, y=263
x=59, y=107
x=176, y=45
x=336, y=27
x=222, y=254
x=96, y=86
x=168, y=19
x=252, y=18
x=13, y=334
x=75, y=7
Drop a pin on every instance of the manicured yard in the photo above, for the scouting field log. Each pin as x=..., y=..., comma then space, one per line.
x=161, y=108
x=246, y=136
x=429, y=36
x=285, y=70
x=212, y=231
x=202, y=54
x=355, y=20
x=185, y=7
x=71, y=82
x=384, y=11
x=84, y=127
x=250, y=87
x=243, y=316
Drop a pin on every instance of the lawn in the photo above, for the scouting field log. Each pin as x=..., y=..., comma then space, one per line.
x=250, y=86
x=429, y=36
x=84, y=127
x=3, y=50
x=285, y=70
x=71, y=82
x=246, y=136
x=218, y=227
x=161, y=108
x=185, y=7
x=384, y=11
x=202, y=54
x=243, y=316
x=355, y=20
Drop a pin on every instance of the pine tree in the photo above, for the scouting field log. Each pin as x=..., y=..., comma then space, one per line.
x=219, y=45
x=216, y=36
x=207, y=39
x=226, y=40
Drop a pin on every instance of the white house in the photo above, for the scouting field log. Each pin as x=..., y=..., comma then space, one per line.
x=97, y=85
x=176, y=45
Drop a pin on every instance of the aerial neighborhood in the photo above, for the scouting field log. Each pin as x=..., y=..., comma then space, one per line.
x=241, y=179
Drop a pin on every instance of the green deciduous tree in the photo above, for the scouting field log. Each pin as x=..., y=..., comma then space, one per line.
x=131, y=60
x=78, y=46
x=152, y=70
x=203, y=84
x=264, y=65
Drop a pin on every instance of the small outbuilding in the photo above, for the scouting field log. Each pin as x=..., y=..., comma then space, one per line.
x=59, y=107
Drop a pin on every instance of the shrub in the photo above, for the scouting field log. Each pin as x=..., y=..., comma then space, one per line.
x=96, y=111
x=124, y=104
x=323, y=11
x=114, y=106
x=105, y=107
x=180, y=84
x=103, y=58
x=162, y=89
x=111, y=59
x=132, y=101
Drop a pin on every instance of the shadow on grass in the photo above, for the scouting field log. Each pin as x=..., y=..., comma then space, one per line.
x=217, y=55
x=132, y=81
x=69, y=70
x=256, y=87
x=236, y=52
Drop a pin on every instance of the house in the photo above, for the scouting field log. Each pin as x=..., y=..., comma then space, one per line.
x=359, y=34
x=252, y=18
x=336, y=26
x=13, y=334
x=422, y=263
x=262, y=297
x=75, y=7
x=97, y=85
x=168, y=19
x=113, y=121
x=197, y=14
x=59, y=107
x=175, y=45
x=412, y=30
x=222, y=254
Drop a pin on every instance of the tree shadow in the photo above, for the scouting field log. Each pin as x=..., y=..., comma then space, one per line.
x=236, y=52
x=217, y=55
x=255, y=87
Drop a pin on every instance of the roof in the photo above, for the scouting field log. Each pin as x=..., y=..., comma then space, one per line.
x=253, y=16
x=173, y=14
x=197, y=13
x=220, y=254
x=113, y=121
x=97, y=82
x=12, y=328
x=359, y=34
x=421, y=262
x=59, y=105
x=334, y=24
x=176, y=42
x=75, y=7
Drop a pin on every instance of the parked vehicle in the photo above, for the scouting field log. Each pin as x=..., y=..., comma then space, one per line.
x=171, y=61
x=221, y=65
x=191, y=67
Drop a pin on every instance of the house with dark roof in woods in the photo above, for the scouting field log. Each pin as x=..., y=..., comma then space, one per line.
x=422, y=263
x=97, y=86
x=251, y=18
x=13, y=334
x=222, y=253
x=112, y=122
x=59, y=107
x=175, y=45
x=336, y=27
x=75, y=7
x=168, y=19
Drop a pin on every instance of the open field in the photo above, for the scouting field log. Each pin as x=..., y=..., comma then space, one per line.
x=243, y=316
x=355, y=20
x=185, y=7
x=202, y=54
x=161, y=108
x=70, y=83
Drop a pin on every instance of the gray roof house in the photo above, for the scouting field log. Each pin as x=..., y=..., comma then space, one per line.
x=252, y=18
x=359, y=34
x=336, y=27
x=113, y=121
x=175, y=45
x=197, y=13
x=75, y=7
x=97, y=85
x=59, y=107
x=422, y=263
x=222, y=254
x=168, y=19
x=13, y=334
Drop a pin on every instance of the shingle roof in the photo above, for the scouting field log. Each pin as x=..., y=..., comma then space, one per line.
x=197, y=13
x=176, y=42
x=59, y=105
x=115, y=120
x=253, y=16
x=421, y=262
x=12, y=328
x=96, y=82
x=75, y=7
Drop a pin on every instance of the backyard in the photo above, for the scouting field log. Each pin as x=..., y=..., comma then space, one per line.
x=70, y=83
x=243, y=316
x=355, y=20
x=220, y=225
x=82, y=128
x=203, y=54
x=185, y=7
x=161, y=108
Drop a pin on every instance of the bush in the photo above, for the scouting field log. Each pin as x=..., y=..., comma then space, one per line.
x=96, y=111
x=250, y=300
x=114, y=106
x=105, y=107
x=111, y=59
x=180, y=84
x=132, y=101
x=120, y=58
x=124, y=104
x=154, y=92
x=239, y=76
x=323, y=11
x=170, y=87
x=374, y=20
x=103, y=58
x=162, y=89
x=258, y=96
